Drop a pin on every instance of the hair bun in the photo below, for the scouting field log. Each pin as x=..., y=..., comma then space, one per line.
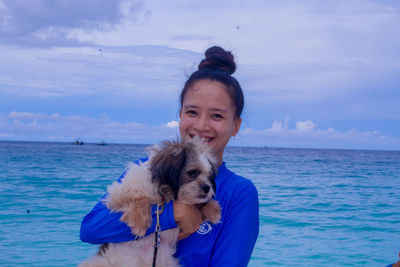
x=218, y=59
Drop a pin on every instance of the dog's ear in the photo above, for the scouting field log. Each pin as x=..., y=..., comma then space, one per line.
x=166, y=167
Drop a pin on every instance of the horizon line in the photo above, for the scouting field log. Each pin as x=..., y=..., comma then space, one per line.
x=228, y=146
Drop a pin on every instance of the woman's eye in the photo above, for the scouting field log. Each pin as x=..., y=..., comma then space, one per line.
x=217, y=116
x=191, y=112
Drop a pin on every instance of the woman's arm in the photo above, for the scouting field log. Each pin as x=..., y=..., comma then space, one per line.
x=240, y=229
x=103, y=226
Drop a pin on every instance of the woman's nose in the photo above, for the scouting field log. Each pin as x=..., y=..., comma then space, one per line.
x=201, y=123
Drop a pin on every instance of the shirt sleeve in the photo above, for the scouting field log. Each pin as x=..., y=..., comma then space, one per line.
x=237, y=239
x=102, y=225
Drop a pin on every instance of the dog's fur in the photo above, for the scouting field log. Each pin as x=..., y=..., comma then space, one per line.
x=176, y=170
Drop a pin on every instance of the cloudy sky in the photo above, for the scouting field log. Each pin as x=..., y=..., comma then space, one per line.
x=322, y=74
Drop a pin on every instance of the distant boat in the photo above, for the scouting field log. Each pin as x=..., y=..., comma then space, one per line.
x=78, y=142
x=102, y=143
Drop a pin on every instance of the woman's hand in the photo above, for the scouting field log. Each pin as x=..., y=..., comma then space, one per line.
x=188, y=217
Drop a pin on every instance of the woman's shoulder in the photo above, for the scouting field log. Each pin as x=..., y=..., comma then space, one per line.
x=230, y=182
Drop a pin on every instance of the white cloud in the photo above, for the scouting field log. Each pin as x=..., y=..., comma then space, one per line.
x=172, y=124
x=43, y=127
x=305, y=126
x=276, y=126
x=306, y=135
x=49, y=23
x=323, y=52
x=24, y=115
x=113, y=71
x=279, y=126
x=336, y=61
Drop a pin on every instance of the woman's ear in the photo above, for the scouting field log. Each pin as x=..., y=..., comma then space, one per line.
x=236, y=126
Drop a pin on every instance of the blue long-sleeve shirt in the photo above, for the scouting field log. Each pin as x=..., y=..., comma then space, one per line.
x=229, y=243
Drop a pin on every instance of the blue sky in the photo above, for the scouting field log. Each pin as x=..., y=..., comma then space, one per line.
x=318, y=74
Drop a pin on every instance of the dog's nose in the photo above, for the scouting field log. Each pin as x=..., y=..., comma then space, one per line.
x=206, y=188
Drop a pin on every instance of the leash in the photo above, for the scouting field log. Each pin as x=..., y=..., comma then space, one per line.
x=157, y=233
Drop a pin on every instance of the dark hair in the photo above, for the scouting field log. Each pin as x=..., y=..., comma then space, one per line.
x=218, y=65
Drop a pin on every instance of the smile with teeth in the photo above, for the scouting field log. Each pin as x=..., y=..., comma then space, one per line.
x=203, y=138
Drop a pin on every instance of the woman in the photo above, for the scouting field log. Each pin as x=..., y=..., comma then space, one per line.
x=211, y=104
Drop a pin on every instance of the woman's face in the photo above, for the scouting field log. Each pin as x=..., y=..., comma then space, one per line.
x=209, y=113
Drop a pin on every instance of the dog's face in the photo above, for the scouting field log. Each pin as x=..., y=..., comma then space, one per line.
x=184, y=171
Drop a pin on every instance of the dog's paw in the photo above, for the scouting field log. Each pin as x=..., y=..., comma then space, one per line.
x=117, y=196
x=212, y=211
x=137, y=214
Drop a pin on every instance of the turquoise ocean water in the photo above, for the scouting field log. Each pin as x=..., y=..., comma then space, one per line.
x=317, y=207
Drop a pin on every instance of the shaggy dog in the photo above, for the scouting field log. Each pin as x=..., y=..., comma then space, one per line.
x=176, y=170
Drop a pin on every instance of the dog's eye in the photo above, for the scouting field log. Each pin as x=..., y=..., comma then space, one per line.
x=193, y=173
